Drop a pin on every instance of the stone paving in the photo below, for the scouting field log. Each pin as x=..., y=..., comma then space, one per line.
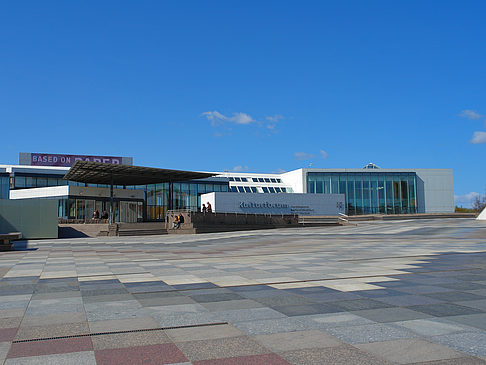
x=400, y=292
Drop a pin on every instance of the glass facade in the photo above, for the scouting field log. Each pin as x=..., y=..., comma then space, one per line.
x=82, y=209
x=4, y=186
x=158, y=197
x=368, y=193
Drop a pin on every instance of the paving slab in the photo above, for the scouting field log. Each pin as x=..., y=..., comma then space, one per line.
x=409, y=351
x=297, y=340
x=341, y=355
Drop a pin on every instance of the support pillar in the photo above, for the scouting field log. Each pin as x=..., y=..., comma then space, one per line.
x=111, y=200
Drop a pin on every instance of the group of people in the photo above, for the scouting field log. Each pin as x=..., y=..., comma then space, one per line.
x=178, y=220
x=206, y=209
x=96, y=215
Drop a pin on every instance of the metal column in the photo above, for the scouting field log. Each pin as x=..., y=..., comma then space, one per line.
x=111, y=200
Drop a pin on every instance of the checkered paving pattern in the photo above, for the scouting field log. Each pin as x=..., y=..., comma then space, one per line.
x=401, y=292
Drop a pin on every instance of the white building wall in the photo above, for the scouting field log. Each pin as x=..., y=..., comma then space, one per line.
x=295, y=179
x=301, y=204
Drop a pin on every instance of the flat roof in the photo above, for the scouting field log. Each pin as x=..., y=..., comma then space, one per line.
x=104, y=173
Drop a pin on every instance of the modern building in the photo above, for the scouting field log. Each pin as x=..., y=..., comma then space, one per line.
x=369, y=190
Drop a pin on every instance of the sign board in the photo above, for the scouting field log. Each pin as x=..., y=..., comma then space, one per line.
x=300, y=204
x=48, y=159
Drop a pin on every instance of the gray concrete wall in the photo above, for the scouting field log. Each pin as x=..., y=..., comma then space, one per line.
x=34, y=218
x=435, y=190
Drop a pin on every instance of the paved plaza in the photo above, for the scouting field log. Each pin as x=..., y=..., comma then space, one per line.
x=399, y=292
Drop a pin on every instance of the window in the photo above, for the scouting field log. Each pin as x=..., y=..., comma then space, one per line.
x=265, y=189
x=247, y=189
x=267, y=179
x=240, y=189
x=254, y=179
x=233, y=189
x=273, y=180
x=277, y=190
x=244, y=179
x=253, y=189
x=284, y=190
x=231, y=179
x=237, y=179
x=279, y=181
x=260, y=179
x=272, y=190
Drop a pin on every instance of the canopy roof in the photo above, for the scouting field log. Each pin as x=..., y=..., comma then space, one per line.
x=105, y=173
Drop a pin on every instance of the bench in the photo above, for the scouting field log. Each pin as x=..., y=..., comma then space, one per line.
x=7, y=238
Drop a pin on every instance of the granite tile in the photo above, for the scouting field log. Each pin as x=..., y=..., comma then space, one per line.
x=49, y=347
x=296, y=340
x=266, y=359
x=410, y=351
x=203, y=333
x=221, y=348
x=368, y=333
x=73, y=358
x=132, y=339
x=445, y=309
x=340, y=355
x=166, y=353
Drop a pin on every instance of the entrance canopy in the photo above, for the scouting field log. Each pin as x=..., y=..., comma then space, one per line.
x=104, y=173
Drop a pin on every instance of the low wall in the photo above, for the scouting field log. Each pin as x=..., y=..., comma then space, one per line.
x=195, y=222
x=34, y=218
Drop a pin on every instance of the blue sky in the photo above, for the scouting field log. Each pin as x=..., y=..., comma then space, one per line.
x=257, y=86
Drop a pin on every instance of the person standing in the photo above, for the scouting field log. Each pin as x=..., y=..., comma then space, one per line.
x=203, y=208
x=175, y=222
x=209, y=208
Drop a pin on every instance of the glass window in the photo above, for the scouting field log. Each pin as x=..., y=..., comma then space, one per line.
x=284, y=190
x=277, y=190
x=265, y=189
x=271, y=189
x=244, y=179
x=319, y=187
x=358, y=190
x=266, y=179
x=381, y=195
x=42, y=182
x=389, y=194
x=254, y=179
x=279, y=180
x=253, y=189
x=273, y=180
x=247, y=189
x=260, y=179
x=350, y=196
x=334, y=184
x=19, y=182
x=311, y=187
x=240, y=189
x=233, y=189
x=231, y=179
x=224, y=188
x=404, y=192
x=237, y=179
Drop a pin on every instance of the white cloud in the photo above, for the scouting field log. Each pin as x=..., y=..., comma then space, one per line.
x=278, y=171
x=240, y=168
x=465, y=200
x=324, y=154
x=478, y=137
x=216, y=118
x=275, y=118
x=303, y=156
x=470, y=114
